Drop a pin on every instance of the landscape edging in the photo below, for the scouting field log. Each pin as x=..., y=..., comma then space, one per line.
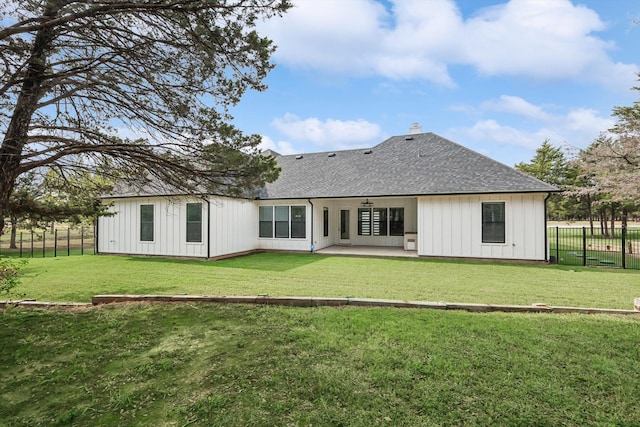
x=317, y=302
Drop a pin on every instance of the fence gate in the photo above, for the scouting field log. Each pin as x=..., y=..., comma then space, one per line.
x=577, y=246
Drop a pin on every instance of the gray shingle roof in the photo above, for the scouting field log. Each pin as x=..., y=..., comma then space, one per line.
x=419, y=164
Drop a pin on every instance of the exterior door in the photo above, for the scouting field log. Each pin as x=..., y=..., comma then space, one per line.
x=344, y=227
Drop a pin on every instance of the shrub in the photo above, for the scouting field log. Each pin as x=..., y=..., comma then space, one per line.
x=9, y=272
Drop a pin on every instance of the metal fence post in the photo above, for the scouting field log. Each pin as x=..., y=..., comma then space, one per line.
x=68, y=241
x=21, y=244
x=557, y=245
x=584, y=246
x=81, y=240
x=55, y=243
x=44, y=246
x=31, y=243
x=624, y=250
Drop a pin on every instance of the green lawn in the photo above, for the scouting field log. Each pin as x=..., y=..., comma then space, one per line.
x=236, y=365
x=77, y=278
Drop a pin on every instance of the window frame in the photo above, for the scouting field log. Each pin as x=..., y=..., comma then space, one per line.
x=144, y=223
x=282, y=226
x=263, y=222
x=325, y=222
x=393, y=227
x=364, y=224
x=195, y=225
x=489, y=225
x=291, y=228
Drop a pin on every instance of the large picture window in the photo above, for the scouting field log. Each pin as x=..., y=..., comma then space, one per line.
x=146, y=223
x=381, y=221
x=194, y=222
x=283, y=222
x=493, y=223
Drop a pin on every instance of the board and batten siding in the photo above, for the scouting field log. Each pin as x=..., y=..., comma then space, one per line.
x=451, y=226
x=120, y=233
x=234, y=227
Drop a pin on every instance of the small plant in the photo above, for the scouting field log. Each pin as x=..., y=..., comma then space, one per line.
x=9, y=274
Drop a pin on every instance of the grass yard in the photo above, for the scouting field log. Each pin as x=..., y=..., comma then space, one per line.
x=223, y=365
x=283, y=274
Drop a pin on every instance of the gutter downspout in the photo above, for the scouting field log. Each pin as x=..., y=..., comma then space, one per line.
x=313, y=247
x=96, y=236
x=546, y=238
x=208, y=227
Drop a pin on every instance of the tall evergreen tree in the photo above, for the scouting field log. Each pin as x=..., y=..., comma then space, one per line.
x=551, y=166
x=72, y=71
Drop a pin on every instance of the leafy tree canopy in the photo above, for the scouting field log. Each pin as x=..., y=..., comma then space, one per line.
x=74, y=73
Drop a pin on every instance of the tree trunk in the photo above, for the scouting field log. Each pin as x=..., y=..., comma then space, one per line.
x=17, y=132
x=604, y=225
x=590, y=213
x=14, y=232
x=613, y=221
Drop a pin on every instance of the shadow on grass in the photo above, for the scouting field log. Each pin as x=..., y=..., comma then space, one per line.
x=265, y=261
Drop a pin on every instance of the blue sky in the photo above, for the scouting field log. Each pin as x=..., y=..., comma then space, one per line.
x=498, y=77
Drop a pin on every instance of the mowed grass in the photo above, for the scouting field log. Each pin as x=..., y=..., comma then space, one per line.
x=235, y=365
x=284, y=274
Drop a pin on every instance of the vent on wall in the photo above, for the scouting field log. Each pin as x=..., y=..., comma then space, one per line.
x=367, y=152
x=331, y=155
x=298, y=157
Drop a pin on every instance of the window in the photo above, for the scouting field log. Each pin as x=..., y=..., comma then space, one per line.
x=194, y=222
x=298, y=222
x=379, y=221
x=146, y=223
x=396, y=221
x=493, y=226
x=284, y=220
x=325, y=222
x=375, y=222
x=364, y=222
x=266, y=221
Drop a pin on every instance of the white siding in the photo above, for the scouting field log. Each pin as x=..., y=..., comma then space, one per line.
x=451, y=226
x=234, y=227
x=288, y=244
x=120, y=233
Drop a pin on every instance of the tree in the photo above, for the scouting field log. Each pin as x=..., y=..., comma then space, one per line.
x=74, y=72
x=551, y=166
x=612, y=162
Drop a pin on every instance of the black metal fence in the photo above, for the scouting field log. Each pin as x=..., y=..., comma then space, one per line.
x=43, y=243
x=577, y=246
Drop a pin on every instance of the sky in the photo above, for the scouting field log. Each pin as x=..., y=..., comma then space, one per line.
x=499, y=77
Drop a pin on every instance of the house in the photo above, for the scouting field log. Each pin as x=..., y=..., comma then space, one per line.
x=420, y=192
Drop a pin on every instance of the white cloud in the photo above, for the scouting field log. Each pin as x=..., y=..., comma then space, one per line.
x=517, y=106
x=540, y=39
x=281, y=147
x=576, y=128
x=330, y=133
x=491, y=130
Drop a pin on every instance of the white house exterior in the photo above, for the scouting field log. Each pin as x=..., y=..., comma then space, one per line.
x=449, y=200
